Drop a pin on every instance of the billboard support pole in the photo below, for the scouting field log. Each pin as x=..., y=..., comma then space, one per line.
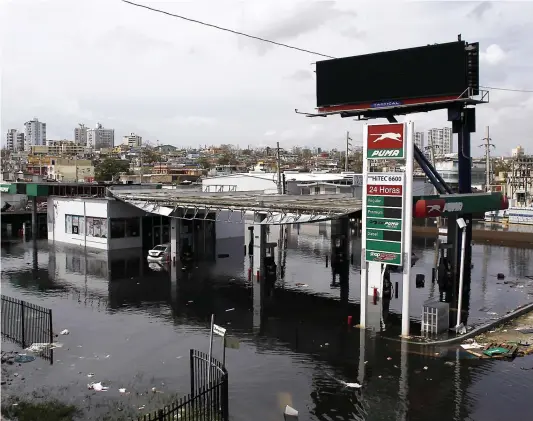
x=364, y=266
x=408, y=226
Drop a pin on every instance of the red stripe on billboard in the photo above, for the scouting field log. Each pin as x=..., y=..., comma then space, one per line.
x=368, y=105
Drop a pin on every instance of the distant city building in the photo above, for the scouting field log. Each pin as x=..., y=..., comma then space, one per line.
x=441, y=140
x=80, y=135
x=132, y=140
x=517, y=152
x=100, y=137
x=35, y=134
x=419, y=140
x=59, y=148
x=14, y=140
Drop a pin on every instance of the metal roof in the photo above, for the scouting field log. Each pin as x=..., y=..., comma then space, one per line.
x=320, y=206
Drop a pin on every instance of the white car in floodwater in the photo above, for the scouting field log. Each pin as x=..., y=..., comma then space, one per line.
x=160, y=253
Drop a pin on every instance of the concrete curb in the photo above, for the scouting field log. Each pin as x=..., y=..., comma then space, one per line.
x=477, y=331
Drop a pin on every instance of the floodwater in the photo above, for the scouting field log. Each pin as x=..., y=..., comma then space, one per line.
x=132, y=326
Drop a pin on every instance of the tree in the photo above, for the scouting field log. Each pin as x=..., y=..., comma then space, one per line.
x=109, y=168
x=227, y=159
x=203, y=162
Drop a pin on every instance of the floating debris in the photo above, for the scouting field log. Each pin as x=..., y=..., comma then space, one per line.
x=231, y=309
x=97, y=387
x=23, y=358
x=64, y=332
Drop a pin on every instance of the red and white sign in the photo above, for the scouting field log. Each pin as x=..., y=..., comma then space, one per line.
x=386, y=141
x=384, y=190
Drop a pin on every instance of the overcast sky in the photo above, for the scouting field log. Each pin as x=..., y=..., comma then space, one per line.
x=89, y=61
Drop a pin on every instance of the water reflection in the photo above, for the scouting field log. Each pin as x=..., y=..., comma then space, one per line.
x=294, y=339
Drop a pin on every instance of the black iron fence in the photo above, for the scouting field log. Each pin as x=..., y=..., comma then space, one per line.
x=28, y=325
x=208, y=400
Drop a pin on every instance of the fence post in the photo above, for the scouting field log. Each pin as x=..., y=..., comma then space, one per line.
x=225, y=398
x=192, y=372
x=23, y=325
x=51, y=332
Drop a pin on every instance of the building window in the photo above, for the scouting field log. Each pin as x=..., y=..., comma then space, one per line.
x=75, y=225
x=133, y=227
x=125, y=227
x=118, y=228
x=96, y=227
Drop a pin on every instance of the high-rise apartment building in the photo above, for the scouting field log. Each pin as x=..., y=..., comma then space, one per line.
x=132, y=140
x=14, y=140
x=419, y=140
x=80, y=135
x=35, y=134
x=441, y=140
x=99, y=138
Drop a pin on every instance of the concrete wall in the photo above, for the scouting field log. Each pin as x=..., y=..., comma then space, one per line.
x=59, y=208
x=119, y=209
x=232, y=229
x=244, y=182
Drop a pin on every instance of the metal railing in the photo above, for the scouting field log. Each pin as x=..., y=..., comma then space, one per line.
x=208, y=401
x=26, y=324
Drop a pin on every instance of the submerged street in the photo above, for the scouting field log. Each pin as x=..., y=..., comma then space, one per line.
x=131, y=325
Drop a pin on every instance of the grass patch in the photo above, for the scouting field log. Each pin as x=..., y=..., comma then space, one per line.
x=43, y=411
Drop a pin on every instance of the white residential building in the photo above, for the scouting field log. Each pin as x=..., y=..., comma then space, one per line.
x=132, y=140
x=99, y=138
x=14, y=140
x=419, y=140
x=35, y=134
x=517, y=152
x=441, y=140
x=80, y=135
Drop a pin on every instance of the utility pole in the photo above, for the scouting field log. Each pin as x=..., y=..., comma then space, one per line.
x=141, y=168
x=487, y=146
x=279, y=168
x=347, y=151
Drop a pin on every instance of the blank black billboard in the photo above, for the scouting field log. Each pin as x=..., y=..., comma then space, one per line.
x=423, y=72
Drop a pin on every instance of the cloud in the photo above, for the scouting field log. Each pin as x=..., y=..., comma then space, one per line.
x=493, y=55
x=187, y=84
x=479, y=10
x=301, y=75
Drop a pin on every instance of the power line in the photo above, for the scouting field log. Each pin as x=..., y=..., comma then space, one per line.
x=226, y=29
x=274, y=42
x=507, y=89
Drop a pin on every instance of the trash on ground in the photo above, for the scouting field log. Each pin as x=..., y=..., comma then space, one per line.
x=389, y=358
x=497, y=350
x=525, y=330
x=352, y=385
x=122, y=390
x=97, y=387
x=141, y=407
x=425, y=367
x=23, y=358
x=231, y=309
x=90, y=375
x=42, y=346
x=299, y=284
x=473, y=345
x=64, y=332
x=450, y=363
